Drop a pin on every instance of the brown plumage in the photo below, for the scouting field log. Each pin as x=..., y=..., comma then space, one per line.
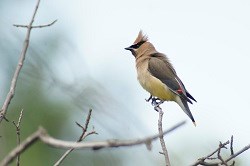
x=157, y=75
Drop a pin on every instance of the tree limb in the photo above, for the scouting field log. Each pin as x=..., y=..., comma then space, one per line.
x=18, y=134
x=22, y=147
x=163, y=145
x=238, y=153
x=38, y=26
x=45, y=138
x=82, y=137
x=19, y=66
x=202, y=161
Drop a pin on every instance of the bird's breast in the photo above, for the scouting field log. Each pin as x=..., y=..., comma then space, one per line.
x=153, y=85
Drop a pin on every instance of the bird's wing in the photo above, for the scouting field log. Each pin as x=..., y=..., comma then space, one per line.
x=161, y=69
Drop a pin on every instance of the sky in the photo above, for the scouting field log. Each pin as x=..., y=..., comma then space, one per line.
x=207, y=42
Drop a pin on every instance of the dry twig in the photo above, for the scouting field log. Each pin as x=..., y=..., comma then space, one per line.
x=219, y=156
x=38, y=26
x=231, y=149
x=18, y=134
x=157, y=108
x=238, y=153
x=163, y=145
x=202, y=161
x=22, y=147
x=45, y=138
x=82, y=137
x=11, y=92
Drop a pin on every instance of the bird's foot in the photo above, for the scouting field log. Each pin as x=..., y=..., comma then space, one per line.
x=150, y=97
x=155, y=101
x=157, y=104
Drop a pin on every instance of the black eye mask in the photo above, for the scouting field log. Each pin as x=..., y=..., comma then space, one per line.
x=137, y=45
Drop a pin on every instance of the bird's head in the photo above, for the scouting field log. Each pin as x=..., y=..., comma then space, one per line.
x=140, y=42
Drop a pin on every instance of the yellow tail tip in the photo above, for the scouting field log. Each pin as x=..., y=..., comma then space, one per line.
x=194, y=124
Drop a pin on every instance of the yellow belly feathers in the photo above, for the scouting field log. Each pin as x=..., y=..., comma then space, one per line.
x=153, y=85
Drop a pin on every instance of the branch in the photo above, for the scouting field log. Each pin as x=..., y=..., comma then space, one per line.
x=221, y=161
x=156, y=104
x=219, y=156
x=238, y=153
x=19, y=66
x=163, y=145
x=11, y=93
x=231, y=149
x=82, y=137
x=38, y=26
x=202, y=160
x=18, y=134
x=22, y=147
x=103, y=144
x=45, y=138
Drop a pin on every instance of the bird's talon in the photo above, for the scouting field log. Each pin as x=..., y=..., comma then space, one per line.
x=156, y=101
x=150, y=98
x=157, y=104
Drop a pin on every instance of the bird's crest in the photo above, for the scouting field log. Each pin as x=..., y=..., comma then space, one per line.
x=141, y=38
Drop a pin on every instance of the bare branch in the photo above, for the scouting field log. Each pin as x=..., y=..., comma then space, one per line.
x=23, y=146
x=18, y=134
x=231, y=148
x=70, y=150
x=221, y=161
x=86, y=126
x=238, y=153
x=37, y=26
x=45, y=138
x=202, y=160
x=102, y=144
x=163, y=145
x=11, y=93
x=231, y=145
x=83, y=136
x=219, y=156
x=19, y=66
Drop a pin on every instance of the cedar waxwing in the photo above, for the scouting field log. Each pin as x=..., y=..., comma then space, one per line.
x=157, y=75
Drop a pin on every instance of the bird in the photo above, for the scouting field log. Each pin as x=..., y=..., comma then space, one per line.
x=157, y=75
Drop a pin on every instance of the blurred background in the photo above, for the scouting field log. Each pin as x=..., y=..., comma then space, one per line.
x=80, y=63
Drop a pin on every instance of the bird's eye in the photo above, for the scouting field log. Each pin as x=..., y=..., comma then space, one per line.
x=137, y=45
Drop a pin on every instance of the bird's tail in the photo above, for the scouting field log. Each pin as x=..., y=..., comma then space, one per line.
x=184, y=105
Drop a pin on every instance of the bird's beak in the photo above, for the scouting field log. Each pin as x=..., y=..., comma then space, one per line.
x=128, y=48
x=131, y=49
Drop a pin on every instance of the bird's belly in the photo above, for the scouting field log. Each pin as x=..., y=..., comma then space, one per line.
x=155, y=87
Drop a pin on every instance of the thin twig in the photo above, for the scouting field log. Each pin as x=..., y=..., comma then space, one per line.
x=83, y=136
x=202, y=160
x=231, y=145
x=238, y=153
x=221, y=161
x=163, y=145
x=45, y=138
x=22, y=147
x=19, y=66
x=18, y=134
x=11, y=93
x=219, y=156
x=102, y=144
x=38, y=26
x=85, y=128
x=70, y=150
x=231, y=148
